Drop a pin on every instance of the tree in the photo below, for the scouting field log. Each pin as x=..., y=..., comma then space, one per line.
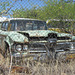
x=5, y=7
x=52, y=9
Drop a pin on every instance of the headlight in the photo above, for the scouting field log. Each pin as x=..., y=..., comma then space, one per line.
x=18, y=47
x=72, y=46
x=25, y=47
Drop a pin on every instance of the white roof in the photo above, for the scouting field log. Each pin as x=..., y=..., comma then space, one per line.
x=21, y=19
x=2, y=19
x=8, y=19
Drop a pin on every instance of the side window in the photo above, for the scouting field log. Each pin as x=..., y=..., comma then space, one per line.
x=13, y=26
x=4, y=26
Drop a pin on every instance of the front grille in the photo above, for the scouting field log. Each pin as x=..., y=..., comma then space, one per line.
x=37, y=38
x=37, y=48
x=52, y=35
x=65, y=45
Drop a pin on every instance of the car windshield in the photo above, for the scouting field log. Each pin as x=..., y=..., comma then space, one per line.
x=22, y=25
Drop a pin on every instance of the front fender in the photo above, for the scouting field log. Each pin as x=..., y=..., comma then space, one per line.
x=9, y=41
x=15, y=37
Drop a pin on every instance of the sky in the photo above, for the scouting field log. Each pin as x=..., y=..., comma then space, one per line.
x=24, y=3
x=28, y=3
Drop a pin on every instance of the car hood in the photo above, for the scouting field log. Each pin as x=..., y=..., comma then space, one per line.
x=64, y=35
x=37, y=33
x=73, y=38
x=16, y=37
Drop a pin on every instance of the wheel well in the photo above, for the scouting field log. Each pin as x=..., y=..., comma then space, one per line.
x=6, y=45
x=26, y=34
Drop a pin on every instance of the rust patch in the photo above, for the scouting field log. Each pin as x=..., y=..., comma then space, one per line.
x=20, y=69
x=70, y=56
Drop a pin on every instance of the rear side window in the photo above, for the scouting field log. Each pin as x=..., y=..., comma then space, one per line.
x=12, y=26
x=4, y=26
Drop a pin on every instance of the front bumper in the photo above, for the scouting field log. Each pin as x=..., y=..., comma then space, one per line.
x=39, y=51
x=65, y=46
x=25, y=56
x=65, y=55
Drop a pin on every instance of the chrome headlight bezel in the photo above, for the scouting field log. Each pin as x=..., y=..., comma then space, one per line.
x=19, y=48
x=25, y=47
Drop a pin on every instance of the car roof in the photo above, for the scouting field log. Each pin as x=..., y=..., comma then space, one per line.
x=2, y=19
x=22, y=19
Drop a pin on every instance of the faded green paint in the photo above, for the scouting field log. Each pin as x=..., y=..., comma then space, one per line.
x=13, y=36
x=73, y=38
x=38, y=33
x=64, y=35
x=17, y=36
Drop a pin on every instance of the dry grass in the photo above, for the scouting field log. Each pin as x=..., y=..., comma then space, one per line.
x=54, y=69
x=37, y=68
x=51, y=68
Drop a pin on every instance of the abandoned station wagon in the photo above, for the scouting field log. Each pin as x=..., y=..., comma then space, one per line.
x=30, y=38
